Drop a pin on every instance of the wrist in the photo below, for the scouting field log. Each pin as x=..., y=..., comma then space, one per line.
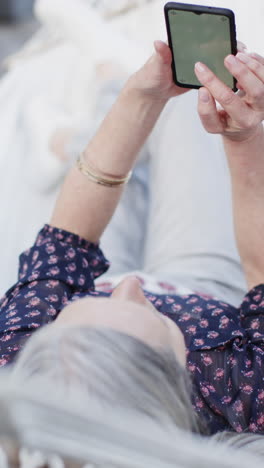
x=244, y=137
x=143, y=93
x=145, y=107
x=246, y=155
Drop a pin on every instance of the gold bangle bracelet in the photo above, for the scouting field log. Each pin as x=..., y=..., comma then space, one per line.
x=105, y=181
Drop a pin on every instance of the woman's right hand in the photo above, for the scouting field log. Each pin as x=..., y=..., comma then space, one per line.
x=240, y=123
x=242, y=113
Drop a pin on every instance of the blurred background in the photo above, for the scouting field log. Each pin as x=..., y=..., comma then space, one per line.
x=17, y=24
x=50, y=53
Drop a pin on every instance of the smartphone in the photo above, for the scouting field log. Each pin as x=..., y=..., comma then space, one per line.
x=200, y=34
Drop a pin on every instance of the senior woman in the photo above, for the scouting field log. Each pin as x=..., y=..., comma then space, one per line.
x=129, y=345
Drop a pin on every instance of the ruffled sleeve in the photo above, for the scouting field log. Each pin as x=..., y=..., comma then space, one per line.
x=62, y=256
x=59, y=265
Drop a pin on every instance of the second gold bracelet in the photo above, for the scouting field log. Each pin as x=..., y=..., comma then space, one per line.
x=105, y=181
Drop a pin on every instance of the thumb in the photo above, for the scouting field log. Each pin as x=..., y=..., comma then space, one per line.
x=163, y=51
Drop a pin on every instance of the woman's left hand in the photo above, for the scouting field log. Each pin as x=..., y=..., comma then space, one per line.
x=155, y=77
x=242, y=113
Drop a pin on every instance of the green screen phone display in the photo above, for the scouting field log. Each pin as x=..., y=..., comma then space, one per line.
x=199, y=38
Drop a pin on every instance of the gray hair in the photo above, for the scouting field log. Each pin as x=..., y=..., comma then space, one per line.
x=251, y=442
x=117, y=368
x=116, y=401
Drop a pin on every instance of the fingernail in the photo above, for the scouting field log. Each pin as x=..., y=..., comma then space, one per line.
x=200, y=67
x=204, y=95
x=243, y=57
x=231, y=60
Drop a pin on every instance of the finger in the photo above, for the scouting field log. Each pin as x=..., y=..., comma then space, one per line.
x=163, y=51
x=250, y=75
x=254, y=65
x=232, y=103
x=241, y=47
x=239, y=86
x=208, y=112
x=257, y=57
x=241, y=93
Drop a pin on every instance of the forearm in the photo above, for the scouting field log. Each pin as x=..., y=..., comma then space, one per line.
x=246, y=163
x=84, y=207
x=239, y=121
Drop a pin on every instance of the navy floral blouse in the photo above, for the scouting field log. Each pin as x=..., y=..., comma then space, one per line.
x=225, y=344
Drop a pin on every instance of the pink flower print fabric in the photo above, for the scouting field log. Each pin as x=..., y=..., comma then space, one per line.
x=59, y=264
x=225, y=345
